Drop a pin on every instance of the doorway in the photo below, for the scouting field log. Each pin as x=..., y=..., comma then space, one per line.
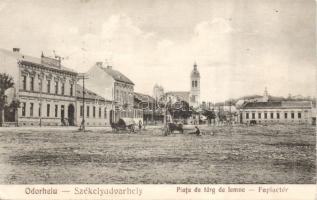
x=71, y=114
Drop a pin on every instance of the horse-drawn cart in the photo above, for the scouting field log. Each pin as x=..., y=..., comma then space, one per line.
x=123, y=124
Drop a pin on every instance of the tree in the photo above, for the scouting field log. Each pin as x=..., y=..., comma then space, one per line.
x=210, y=114
x=180, y=109
x=6, y=82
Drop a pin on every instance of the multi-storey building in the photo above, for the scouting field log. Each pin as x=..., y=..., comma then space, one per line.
x=115, y=87
x=45, y=89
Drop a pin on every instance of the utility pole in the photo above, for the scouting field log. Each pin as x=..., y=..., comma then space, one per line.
x=82, y=126
x=41, y=90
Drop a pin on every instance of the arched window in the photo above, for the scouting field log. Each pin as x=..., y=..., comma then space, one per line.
x=193, y=83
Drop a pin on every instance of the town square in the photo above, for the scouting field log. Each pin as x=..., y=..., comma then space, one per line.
x=136, y=96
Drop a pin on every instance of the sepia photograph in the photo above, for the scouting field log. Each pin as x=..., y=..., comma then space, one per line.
x=157, y=92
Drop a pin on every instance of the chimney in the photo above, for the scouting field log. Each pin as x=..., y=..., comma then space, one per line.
x=17, y=50
x=109, y=67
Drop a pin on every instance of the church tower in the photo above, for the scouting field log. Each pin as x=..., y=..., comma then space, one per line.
x=194, y=87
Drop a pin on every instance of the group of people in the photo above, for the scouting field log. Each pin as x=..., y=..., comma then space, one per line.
x=132, y=126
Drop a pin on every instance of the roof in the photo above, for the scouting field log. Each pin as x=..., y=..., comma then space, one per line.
x=182, y=95
x=195, y=72
x=88, y=94
x=143, y=97
x=31, y=60
x=116, y=75
x=277, y=104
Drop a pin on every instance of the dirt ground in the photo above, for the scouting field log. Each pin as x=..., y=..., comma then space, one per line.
x=238, y=154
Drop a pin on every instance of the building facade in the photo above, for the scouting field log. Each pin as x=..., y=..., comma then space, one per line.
x=277, y=112
x=113, y=86
x=44, y=88
x=94, y=110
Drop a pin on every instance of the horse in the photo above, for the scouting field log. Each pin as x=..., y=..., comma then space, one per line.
x=175, y=127
x=252, y=122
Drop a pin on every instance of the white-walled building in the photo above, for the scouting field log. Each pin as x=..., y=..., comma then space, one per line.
x=113, y=86
x=277, y=112
x=96, y=110
x=45, y=89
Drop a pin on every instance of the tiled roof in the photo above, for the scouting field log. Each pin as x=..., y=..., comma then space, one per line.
x=296, y=104
x=30, y=59
x=143, y=97
x=88, y=94
x=183, y=95
x=277, y=104
x=116, y=75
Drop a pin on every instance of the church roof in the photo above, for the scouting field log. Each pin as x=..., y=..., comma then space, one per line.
x=195, y=73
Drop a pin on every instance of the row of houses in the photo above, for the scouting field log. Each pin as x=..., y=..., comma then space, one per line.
x=52, y=94
x=260, y=109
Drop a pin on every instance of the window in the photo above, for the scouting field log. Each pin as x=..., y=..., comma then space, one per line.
x=31, y=83
x=193, y=83
x=81, y=111
x=299, y=115
x=117, y=95
x=100, y=112
x=40, y=84
x=24, y=82
x=71, y=89
x=285, y=115
x=247, y=115
x=48, y=86
x=48, y=110
x=292, y=115
x=265, y=115
x=87, y=111
x=62, y=111
x=277, y=115
x=23, y=109
x=31, y=109
x=196, y=84
x=253, y=115
x=272, y=115
x=56, y=110
x=105, y=113
x=56, y=87
x=63, y=88
x=259, y=115
x=94, y=111
x=40, y=110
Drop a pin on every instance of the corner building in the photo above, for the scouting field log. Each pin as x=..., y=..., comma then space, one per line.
x=45, y=89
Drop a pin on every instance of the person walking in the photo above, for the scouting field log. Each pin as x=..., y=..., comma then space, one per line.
x=140, y=125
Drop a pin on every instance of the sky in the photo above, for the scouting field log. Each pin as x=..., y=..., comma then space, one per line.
x=240, y=46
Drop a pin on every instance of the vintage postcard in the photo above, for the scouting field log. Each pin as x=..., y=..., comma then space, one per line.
x=158, y=99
